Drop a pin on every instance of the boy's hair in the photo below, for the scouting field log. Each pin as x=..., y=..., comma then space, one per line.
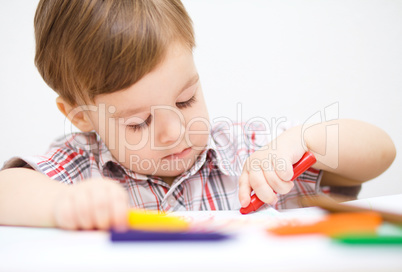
x=89, y=47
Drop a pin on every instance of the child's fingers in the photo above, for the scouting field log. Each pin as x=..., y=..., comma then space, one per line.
x=260, y=186
x=277, y=184
x=101, y=209
x=119, y=210
x=283, y=168
x=82, y=208
x=65, y=215
x=244, y=189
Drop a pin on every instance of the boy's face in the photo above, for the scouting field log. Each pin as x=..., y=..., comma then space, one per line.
x=159, y=125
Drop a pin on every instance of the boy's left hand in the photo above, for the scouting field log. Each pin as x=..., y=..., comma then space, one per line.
x=268, y=170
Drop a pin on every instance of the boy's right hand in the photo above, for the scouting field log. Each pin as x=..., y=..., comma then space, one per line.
x=92, y=204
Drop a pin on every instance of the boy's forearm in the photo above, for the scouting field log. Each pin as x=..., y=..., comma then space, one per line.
x=27, y=198
x=352, y=149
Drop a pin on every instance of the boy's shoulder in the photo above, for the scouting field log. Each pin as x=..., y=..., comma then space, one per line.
x=252, y=133
x=69, y=158
x=233, y=135
x=233, y=142
x=81, y=142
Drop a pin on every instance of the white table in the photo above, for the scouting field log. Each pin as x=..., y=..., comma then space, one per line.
x=37, y=249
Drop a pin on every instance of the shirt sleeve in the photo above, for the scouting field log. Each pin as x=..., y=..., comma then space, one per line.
x=62, y=162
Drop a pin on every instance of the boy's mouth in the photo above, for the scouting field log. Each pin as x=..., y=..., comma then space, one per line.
x=179, y=155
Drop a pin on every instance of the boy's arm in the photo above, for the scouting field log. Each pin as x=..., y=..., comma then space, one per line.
x=29, y=198
x=349, y=151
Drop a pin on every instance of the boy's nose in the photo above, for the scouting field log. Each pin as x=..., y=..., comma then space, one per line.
x=169, y=125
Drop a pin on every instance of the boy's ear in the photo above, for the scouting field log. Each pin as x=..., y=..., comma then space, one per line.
x=75, y=114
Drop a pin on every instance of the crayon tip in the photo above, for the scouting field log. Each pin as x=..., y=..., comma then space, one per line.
x=255, y=204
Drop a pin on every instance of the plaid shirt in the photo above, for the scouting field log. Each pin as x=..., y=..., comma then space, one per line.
x=210, y=184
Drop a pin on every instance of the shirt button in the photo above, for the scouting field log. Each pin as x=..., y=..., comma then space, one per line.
x=171, y=200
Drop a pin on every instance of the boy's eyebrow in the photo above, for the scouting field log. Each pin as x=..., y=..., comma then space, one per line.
x=126, y=112
x=190, y=82
x=132, y=111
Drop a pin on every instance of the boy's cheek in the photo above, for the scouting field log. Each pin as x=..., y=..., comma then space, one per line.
x=197, y=129
x=198, y=135
x=198, y=141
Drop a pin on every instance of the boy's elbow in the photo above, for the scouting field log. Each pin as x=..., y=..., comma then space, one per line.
x=391, y=153
x=388, y=153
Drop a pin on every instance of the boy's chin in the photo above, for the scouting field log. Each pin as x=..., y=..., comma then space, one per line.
x=167, y=168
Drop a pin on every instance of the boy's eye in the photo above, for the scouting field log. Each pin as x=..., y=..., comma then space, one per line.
x=142, y=125
x=186, y=104
x=147, y=122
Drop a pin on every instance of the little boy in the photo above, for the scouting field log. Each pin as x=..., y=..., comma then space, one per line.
x=125, y=76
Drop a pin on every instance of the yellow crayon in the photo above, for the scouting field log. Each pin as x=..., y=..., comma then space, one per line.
x=155, y=221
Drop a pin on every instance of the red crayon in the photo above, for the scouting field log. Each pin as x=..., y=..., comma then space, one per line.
x=299, y=167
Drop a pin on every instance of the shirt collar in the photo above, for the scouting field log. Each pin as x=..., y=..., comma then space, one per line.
x=217, y=156
x=106, y=159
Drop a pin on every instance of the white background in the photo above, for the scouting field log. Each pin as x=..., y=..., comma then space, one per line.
x=278, y=59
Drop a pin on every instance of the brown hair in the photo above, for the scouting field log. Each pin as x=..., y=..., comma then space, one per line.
x=89, y=47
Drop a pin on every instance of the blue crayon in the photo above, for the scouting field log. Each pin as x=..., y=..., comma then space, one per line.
x=153, y=236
